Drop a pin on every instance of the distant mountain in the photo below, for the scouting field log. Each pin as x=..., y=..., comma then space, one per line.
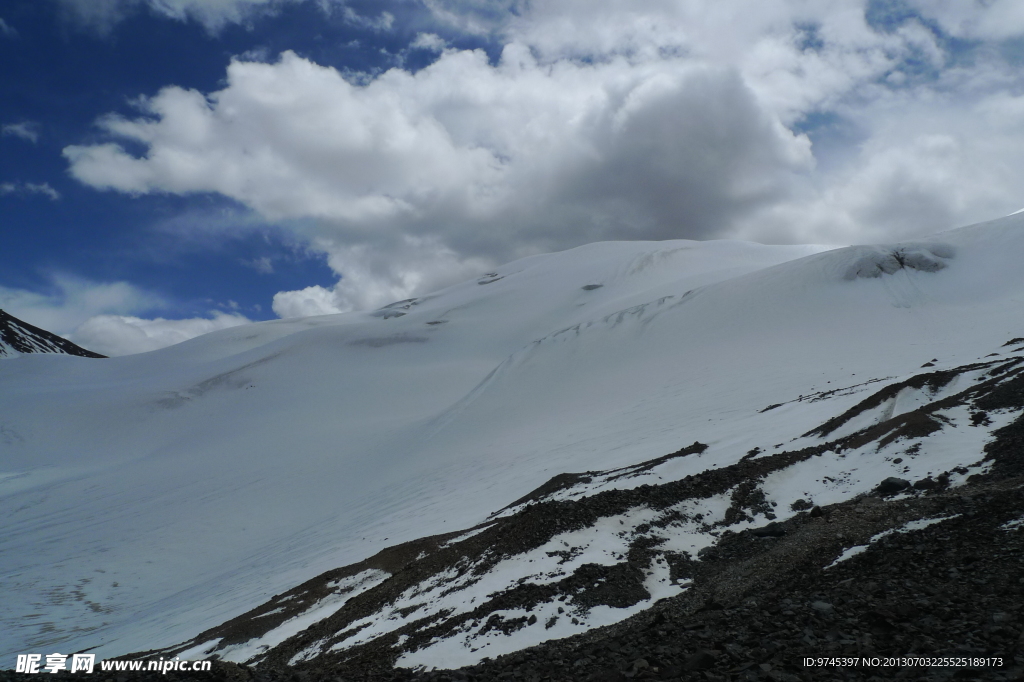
x=17, y=338
x=750, y=453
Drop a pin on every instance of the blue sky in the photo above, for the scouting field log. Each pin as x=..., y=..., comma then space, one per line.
x=169, y=167
x=63, y=71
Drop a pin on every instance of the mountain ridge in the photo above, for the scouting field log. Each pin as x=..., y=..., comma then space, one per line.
x=19, y=337
x=353, y=434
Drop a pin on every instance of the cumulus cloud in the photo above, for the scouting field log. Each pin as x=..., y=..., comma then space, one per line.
x=931, y=162
x=488, y=162
x=26, y=188
x=373, y=276
x=602, y=119
x=125, y=335
x=103, y=316
x=314, y=300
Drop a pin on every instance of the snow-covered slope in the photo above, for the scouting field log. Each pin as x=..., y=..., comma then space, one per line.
x=17, y=337
x=183, y=487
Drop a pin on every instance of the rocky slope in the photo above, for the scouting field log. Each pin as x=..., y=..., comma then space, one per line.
x=17, y=337
x=923, y=568
x=921, y=580
x=500, y=476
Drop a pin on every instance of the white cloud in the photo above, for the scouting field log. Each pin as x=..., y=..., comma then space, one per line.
x=103, y=316
x=314, y=300
x=73, y=300
x=988, y=20
x=125, y=335
x=24, y=188
x=102, y=15
x=263, y=265
x=383, y=22
x=473, y=17
x=6, y=30
x=429, y=41
x=489, y=162
x=374, y=276
x=603, y=119
x=26, y=130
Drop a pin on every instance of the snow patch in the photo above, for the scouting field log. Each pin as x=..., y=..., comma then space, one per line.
x=917, y=524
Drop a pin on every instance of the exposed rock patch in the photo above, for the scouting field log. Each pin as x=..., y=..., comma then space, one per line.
x=18, y=337
x=875, y=261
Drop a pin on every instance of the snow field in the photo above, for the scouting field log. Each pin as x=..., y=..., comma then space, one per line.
x=177, y=489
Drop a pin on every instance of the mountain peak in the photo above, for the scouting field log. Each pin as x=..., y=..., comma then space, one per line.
x=18, y=337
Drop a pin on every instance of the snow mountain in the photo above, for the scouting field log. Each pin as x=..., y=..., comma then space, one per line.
x=17, y=337
x=556, y=446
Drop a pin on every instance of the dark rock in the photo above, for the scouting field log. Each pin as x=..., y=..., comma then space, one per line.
x=892, y=485
x=702, y=660
x=822, y=607
x=772, y=530
x=610, y=675
x=926, y=483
